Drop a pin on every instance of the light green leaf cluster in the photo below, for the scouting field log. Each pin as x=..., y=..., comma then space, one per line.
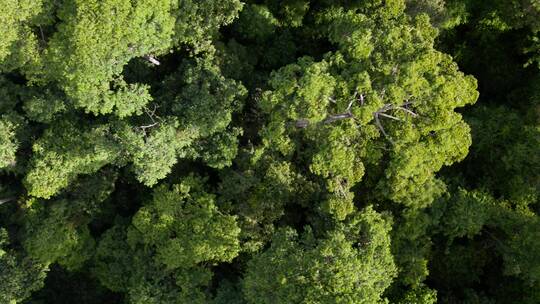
x=94, y=42
x=186, y=227
x=386, y=86
x=351, y=264
x=52, y=234
x=198, y=21
x=18, y=44
x=20, y=276
x=64, y=152
x=9, y=125
x=162, y=256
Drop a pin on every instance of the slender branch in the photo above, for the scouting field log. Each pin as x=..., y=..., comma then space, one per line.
x=389, y=116
x=379, y=125
x=152, y=114
x=408, y=111
x=149, y=126
x=407, y=103
x=42, y=35
x=7, y=199
x=350, y=105
x=361, y=99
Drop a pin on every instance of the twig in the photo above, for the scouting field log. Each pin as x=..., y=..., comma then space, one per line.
x=152, y=114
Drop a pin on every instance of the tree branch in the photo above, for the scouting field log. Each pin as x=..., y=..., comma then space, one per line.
x=152, y=60
x=408, y=111
x=149, y=126
x=389, y=116
x=332, y=118
x=7, y=199
x=379, y=125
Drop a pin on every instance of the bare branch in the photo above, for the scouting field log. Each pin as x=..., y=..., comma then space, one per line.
x=42, y=35
x=381, y=128
x=152, y=113
x=389, y=116
x=408, y=111
x=302, y=123
x=332, y=118
x=152, y=60
x=407, y=103
x=350, y=105
x=149, y=126
x=382, y=93
x=7, y=199
x=385, y=108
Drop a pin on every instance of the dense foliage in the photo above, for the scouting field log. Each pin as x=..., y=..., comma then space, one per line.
x=264, y=151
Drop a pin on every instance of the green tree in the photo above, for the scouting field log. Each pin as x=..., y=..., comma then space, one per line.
x=375, y=98
x=65, y=151
x=185, y=226
x=9, y=125
x=19, y=274
x=351, y=264
x=164, y=255
x=94, y=41
x=19, y=45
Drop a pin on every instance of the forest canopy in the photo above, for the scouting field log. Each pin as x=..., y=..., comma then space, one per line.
x=264, y=151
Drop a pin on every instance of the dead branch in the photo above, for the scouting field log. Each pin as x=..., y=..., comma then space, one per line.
x=148, y=126
x=42, y=35
x=389, y=116
x=7, y=199
x=152, y=59
x=302, y=123
x=332, y=118
x=350, y=105
x=408, y=111
x=152, y=113
x=361, y=99
x=381, y=128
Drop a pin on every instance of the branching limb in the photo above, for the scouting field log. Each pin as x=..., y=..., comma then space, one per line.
x=152, y=113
